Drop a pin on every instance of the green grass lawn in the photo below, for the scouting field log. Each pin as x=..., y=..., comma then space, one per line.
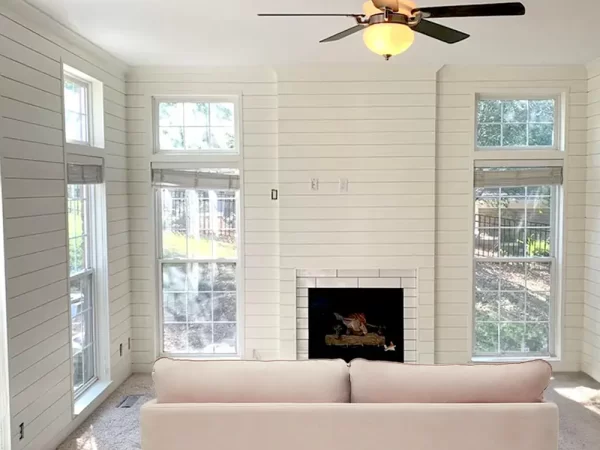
x=174, y=245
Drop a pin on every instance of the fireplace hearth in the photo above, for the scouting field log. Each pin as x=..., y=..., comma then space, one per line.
x=351, y=323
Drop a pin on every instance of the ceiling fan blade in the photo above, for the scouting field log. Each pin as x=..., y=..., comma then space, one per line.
x=309, y=15
x=440, y=32
x=343, y=34
x=492, y=9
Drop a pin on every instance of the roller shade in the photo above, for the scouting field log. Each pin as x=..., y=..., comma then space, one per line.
x=197, y=179
x=521, y=176
x=83, y=169
x=84, y=174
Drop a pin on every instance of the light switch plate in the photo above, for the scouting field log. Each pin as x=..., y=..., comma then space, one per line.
x=344, y=185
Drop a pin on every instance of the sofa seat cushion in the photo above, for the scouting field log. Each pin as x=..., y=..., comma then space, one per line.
x=315, y=381
x=388, y=382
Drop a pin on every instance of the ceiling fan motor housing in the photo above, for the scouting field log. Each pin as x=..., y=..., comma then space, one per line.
x=399, y=6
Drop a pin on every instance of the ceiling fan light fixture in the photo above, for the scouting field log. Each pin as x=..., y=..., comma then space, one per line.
x=388, y=39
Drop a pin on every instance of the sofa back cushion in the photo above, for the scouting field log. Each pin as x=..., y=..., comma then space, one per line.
x=315, y=381
x=388, y=382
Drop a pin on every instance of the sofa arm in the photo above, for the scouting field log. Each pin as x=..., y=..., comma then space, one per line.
x=350, y=426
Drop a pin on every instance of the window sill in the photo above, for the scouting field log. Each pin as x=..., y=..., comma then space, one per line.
x=500, y=359
x=89, y=396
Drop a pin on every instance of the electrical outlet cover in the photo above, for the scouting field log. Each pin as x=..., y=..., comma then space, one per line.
x=314, y=184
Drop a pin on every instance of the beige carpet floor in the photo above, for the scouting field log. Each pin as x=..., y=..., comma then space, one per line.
x=111, y=428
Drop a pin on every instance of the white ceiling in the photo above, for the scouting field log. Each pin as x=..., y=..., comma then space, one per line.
x=227, y=32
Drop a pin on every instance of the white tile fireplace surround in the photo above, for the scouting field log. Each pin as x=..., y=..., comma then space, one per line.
x=414, y=331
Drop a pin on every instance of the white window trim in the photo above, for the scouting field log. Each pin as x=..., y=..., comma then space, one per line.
x=559, y=98
x=96, y=138
x=523, y=157
x=5, y=425
x=557, y=287
x=240, y=268
x=237, y=119
x=85, y=397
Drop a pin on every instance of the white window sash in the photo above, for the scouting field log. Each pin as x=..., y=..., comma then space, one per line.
x=161, y=261
x=87, y=113
x=558, y=101
x=554, y=285
x=234, y=99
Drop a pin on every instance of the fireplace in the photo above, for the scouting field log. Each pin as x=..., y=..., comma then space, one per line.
x=350, y=323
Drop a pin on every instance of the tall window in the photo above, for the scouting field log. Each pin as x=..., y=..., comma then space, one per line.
x=198, y=261
x=515, y=266
x=517, y=123
x=82, y=285
x=206, y=125
x=84, y=281
x=77, y=110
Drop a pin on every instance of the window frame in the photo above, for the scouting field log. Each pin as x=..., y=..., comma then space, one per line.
x=92, y=257
x=89, y=114
x=558, y=120
x=237, y=119
x=239, y=261
x=95, y=104
x=555, y=260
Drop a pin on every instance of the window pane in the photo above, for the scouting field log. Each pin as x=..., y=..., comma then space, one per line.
x=175, y=338
x=170, y=114
x=171, y=138
x=512, y=306
x=222, y=137
x=197, y=138
x=537, y=337
x=489, y=111
x=489, y=135
x=512, y=337
x=196, y=298
x=514, y=135
x=221, y=115
x=196, y=114
x=77, y=370
x=486, y=306
x=174, y=306
x=201, y=338
x=515, y=123
x=541, y=111
x=514, y=111
x=196, y=126
x=76, y=111
x=541, y=134
x=512, y=298
x=486, y=337
x=200, y=307
x=225, y=338
x=75, y=125
x=225, y=307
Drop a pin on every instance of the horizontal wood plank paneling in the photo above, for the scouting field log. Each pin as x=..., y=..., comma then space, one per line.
x=35, y=219
x=590, y=338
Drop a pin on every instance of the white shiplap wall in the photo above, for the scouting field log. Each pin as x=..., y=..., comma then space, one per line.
x=258, y=92
x=590, y=357
x=375, y=126
x=33, y=186
x=457, y=87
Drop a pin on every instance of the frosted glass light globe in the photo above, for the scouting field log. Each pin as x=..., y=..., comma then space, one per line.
x=388, y=39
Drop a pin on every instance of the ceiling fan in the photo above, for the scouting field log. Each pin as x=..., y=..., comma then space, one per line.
x=389, y=25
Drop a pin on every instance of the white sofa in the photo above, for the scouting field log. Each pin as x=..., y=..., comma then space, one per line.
x=328, y=405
